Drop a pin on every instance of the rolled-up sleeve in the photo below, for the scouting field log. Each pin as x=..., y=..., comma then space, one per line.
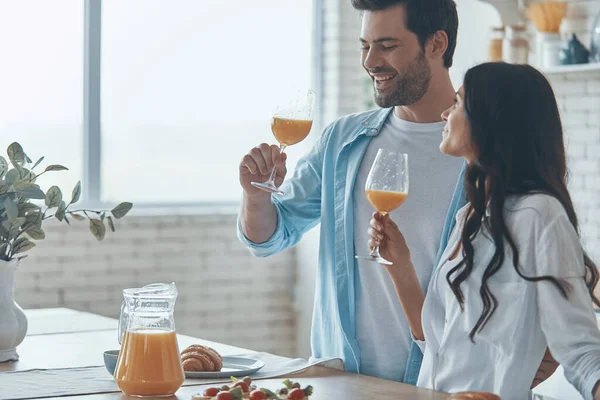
x=267, y=248
x=569, y=324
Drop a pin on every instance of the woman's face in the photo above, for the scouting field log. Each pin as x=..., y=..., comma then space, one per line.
x=456, y=139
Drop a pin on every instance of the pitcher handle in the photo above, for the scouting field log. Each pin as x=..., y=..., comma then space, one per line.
x=123, y=319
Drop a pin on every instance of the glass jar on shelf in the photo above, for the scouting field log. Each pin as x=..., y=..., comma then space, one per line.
x=495, y=43
x=515, y=47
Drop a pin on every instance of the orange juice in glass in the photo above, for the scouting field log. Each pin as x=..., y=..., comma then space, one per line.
x=290, y=131
x=149, y=363
x=386, y=188
x=290, y=124
x=385, y=201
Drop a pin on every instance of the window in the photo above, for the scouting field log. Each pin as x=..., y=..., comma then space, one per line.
x=188, y=87
x=41, y=83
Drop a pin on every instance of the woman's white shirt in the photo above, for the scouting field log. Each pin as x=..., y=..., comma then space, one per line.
x=530, y=316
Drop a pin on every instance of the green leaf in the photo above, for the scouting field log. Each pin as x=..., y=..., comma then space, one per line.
x=102, y=216
x=60, y=212
x=53, y=197
x=16, y=155
x=76, y=193
x=21, y=245
x=237, y=393
x=12, y=211
x=30, y=190
x=3, y=166
x=288, y=384
x=34, y=220
x=121, y=210
x=28, y=208
x=12, y=177
x=78, y=217
x=25, y=174
x=270, y=394
x=67, y=219
x=36, y=234
x=97, y=228
x=3, y=189
x=28, y=159
x=37, y=162
x=3, y=249
x=111, y=224
x=13, y=227
x=308, y=391
x=55, y=167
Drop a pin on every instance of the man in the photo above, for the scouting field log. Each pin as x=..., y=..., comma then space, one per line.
x=406, y=48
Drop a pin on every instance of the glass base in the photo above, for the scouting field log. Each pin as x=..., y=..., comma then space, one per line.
x=267, y=187
x=376, y=259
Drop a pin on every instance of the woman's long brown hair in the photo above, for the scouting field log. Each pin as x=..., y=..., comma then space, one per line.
x=517, y=131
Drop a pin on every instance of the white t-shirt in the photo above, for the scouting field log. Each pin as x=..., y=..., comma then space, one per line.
x=382, y=330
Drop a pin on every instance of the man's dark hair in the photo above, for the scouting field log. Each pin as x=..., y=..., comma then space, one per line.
x=423, y=18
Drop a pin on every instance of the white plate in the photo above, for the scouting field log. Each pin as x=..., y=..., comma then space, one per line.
x=232, y=366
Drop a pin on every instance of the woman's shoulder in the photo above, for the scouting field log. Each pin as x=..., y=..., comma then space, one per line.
x=536, y=211
x=536, y=205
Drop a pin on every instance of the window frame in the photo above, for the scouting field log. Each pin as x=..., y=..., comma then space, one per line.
x=92, y=117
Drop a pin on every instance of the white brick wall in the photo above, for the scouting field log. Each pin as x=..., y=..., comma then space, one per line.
x=347, y=88
x=225, y=294
x=579, y=102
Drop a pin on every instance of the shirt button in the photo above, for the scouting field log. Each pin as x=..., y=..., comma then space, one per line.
x=365, y=123
x=373, y=130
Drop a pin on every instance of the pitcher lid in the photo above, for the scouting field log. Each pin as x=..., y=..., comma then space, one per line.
x=156, y=290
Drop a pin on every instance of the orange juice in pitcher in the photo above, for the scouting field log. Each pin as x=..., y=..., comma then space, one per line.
x=149, y=363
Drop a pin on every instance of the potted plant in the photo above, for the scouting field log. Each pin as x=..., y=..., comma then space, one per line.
x=24, y=207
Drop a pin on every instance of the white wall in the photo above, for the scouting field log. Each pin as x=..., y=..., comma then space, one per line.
x=476, y=19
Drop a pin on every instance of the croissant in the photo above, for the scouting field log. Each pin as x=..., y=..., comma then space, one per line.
x=198, y=358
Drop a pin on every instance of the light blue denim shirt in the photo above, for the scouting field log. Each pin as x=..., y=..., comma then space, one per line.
x=321, y=191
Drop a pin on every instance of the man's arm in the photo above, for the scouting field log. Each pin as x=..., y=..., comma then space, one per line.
x=270, y=224
x=258, y=220
x=258, y=217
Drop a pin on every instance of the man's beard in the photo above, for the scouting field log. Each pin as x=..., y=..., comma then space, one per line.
x=412, y=84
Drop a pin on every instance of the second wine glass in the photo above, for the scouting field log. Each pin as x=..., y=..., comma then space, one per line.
x=291, y=124
x=386, y=188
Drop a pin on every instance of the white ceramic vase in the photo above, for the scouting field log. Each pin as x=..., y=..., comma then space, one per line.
x=13, y=322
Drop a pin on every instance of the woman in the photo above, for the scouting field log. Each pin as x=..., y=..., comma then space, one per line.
x=513, y=279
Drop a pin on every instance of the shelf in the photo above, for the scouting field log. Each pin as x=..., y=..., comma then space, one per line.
x=572, y=69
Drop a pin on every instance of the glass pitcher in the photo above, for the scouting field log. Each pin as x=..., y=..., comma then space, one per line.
x=149, y=363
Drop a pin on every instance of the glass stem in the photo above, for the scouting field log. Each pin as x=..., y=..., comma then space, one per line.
x=274, y=171
x=375, y=252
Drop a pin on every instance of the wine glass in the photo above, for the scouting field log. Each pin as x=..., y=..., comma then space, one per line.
x=290, y=124
x=386, y=188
